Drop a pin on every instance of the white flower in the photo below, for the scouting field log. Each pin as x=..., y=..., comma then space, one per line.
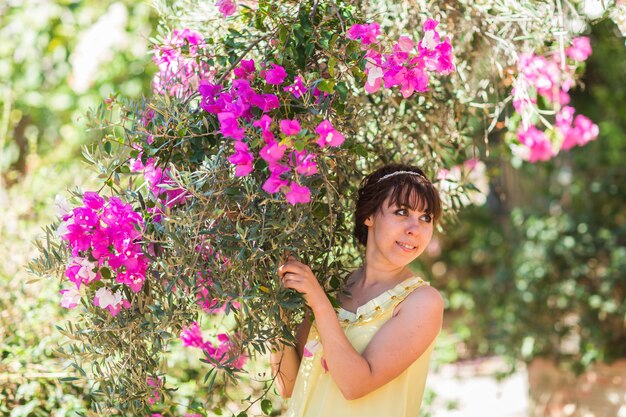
x=429, y=41
x=61, y=206
x=105, y=298
x=71, y=297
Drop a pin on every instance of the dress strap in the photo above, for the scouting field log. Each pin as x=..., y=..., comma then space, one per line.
x=380, y=304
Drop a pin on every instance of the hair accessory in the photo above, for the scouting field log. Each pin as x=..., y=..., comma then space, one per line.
x=393, y=174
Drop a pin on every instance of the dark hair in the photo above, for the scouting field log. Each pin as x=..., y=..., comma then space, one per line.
x=402, y=189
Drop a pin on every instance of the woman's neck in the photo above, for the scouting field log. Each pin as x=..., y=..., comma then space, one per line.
x=371, y=276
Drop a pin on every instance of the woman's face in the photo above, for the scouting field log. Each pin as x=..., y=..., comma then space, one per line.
x=397, y=234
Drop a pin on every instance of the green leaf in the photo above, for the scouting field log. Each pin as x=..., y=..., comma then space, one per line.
x=105, y=272
x=327, y=86
x=108, y=147
x=266, y=407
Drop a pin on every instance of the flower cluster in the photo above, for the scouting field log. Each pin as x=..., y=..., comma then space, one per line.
x=180, y=65
x=243, y=111
x=160, y=183
x=103, y=237
x=551, y=79
x=408, y=65
x=225, y=353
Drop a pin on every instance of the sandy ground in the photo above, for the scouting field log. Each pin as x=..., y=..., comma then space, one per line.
x=469, y=389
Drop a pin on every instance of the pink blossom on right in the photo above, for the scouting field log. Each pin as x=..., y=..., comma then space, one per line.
x=540, y=147
x=297, y=194
x=226, y=7
x=580, y=49
x=328, y=136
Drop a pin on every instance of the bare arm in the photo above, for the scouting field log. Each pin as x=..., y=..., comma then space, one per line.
x=399, y=342
x=285, y=362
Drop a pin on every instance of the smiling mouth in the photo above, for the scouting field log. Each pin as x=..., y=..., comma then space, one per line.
x=406, y=246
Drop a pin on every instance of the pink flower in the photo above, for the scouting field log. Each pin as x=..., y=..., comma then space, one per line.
x=246, y=69
x=412, y=80
x=374, y=71
x=290, y=127
x=229, y=126
x=274, y=183
x=266, y=102
x=209, y=93
x=539, y=145
x=431, y=36
x=243, y=158
x=304, y=162
x=273, y=151
x=93, y=200
x=297, y=88
x=580, y=49
x=71, y=297
x=276, y=75
x=366, y=33
x=328, y=135
x=226, y=7
x=297, y=194
x=576, y=131
x=227, y=351
x=265, y=124
x=192, y=336
x=444, y=60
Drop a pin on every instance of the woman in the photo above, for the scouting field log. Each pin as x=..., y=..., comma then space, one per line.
x=369, y=357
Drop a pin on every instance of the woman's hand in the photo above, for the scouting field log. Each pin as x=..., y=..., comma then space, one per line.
x=299, y=277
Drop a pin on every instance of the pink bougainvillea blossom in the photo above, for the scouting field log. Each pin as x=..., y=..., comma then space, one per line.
x=328, y=136
x=104, y=239
x=229, y=126
x=276, y=75
x=367, y=33
x=304, y=162
x=246, y=69
x=576, y=131
x=226, y=7
x=404, y=66
x=274, y=183
x=539, y=146
x=297, y=88
x=156, y=383
x=180, y=73
x=290, y=127
x=226, y=351
x=192, y=336
x=272, y=151
x=297, y=194
x=82, y=271
x=242, y=158
x=580, y=49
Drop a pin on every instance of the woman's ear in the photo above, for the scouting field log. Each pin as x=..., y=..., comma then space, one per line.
x=369, y=221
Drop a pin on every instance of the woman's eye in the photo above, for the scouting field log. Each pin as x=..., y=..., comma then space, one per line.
x=401, y=212
x=427, y=218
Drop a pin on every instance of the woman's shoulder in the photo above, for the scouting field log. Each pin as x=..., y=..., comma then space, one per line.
x=424, y=298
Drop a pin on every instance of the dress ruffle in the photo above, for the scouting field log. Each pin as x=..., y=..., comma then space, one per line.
x=378, y=305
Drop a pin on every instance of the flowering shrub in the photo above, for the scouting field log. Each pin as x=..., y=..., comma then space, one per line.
x=550, y=79
x=249, y=149
x=103, y=238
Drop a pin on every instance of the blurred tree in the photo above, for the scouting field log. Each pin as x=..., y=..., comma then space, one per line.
x=57, y=60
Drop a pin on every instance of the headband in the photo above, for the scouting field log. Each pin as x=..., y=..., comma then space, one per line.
x=398, y=173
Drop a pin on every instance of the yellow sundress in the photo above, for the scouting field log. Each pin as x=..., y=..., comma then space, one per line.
x=315, y=393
